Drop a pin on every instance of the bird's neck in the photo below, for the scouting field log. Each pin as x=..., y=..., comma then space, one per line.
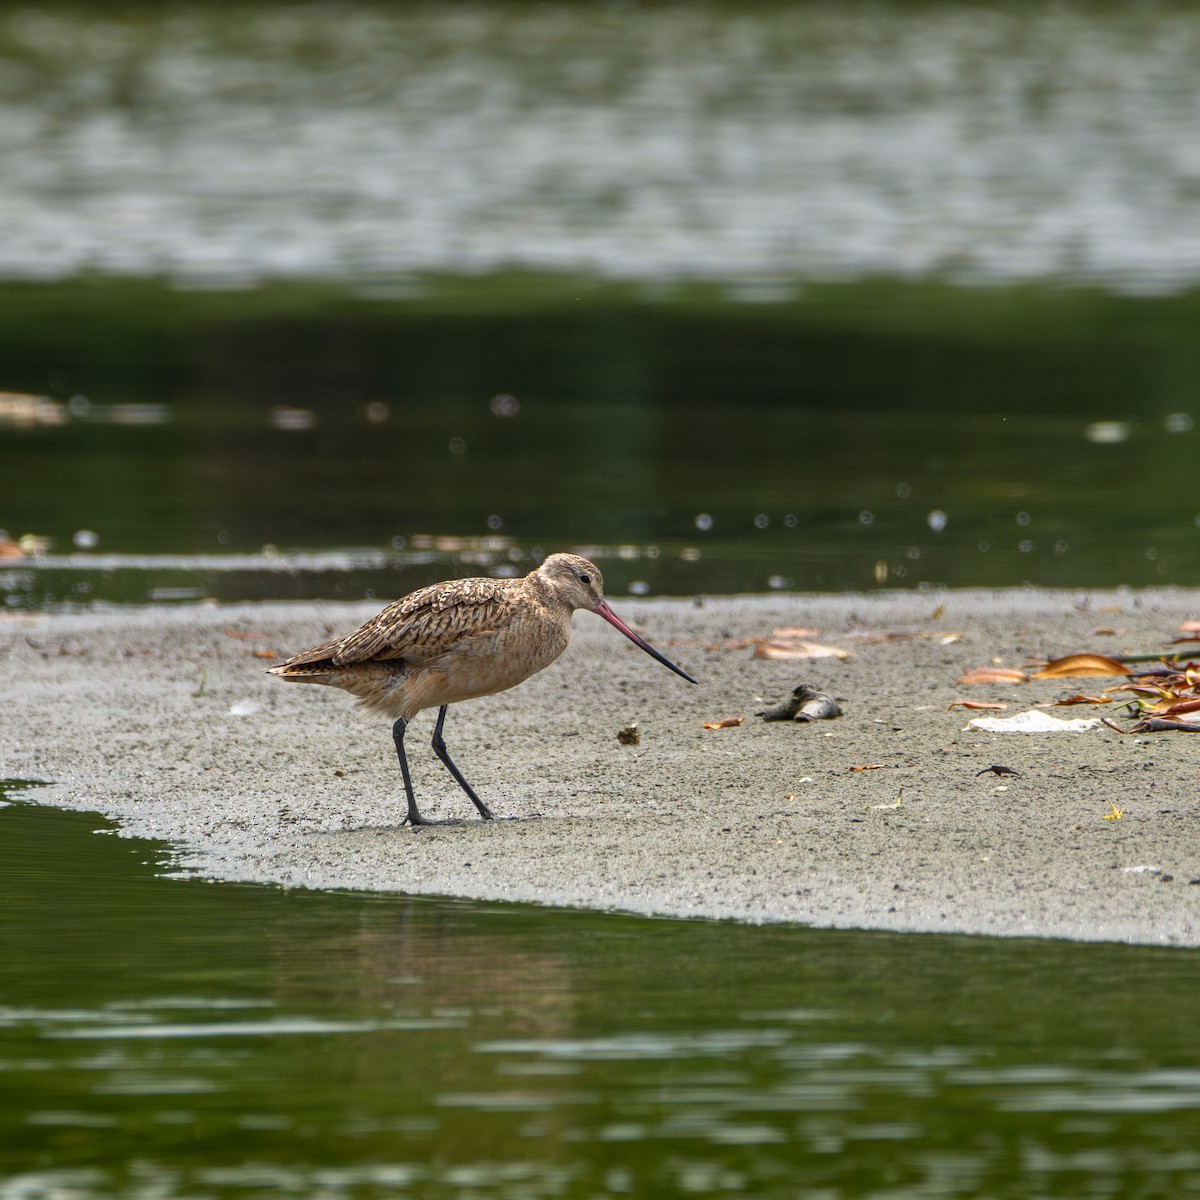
x=549, y=597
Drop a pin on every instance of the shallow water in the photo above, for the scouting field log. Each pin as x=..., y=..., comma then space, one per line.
x=991, y=142
x=300, y=442
x=338, y=300
x=430, y=412
x=166, y=1038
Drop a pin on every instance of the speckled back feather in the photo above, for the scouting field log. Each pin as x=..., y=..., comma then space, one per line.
x=418, y=627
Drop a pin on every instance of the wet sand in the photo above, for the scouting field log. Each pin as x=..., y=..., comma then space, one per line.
x=164, y=720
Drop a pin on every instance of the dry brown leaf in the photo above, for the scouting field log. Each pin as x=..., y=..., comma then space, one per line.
x=265, y=654
x=904, y=635
x=788, y=649
x=724, y=723
x=1081, y=699
x=1074, y=666
x=1174, y=708
x=976, y=704
x=869, y=767
x=1105, y=631
x=1157, y=725
x=739, y=643
x=994, y=675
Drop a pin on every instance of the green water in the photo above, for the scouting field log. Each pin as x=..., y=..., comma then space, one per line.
x=335, y=300
x=172, y=1038
x=845, y=438
x=788, y=296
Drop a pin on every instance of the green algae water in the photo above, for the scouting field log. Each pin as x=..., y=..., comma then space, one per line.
x=336, y=300
x=167, y=1037
x=302, y=441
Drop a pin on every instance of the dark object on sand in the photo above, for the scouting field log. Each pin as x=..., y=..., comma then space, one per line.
x=996, y=769
x=804, y=704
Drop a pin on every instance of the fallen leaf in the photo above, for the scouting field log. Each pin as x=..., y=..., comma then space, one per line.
x=265, y=654
x=740, y=643
x=976, y=704
x=1079, y=666
x=874, y=638
x=785, y=649
x=869, y=767
x=1081, y=699
x=936, y=615
x=1190, y=627
x=1149, y=689
x=724, y=723
x=994, y=675
x=1105, y=631
x=1116, y=814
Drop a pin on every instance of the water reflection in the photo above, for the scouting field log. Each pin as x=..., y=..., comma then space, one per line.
x=872, y=436
x=756, y=144
x=167, y=1037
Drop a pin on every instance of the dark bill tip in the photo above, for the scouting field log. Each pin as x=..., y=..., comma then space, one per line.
x=603, y=610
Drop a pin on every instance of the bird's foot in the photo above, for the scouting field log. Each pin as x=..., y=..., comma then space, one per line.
x=419, y=822
x=416, y=820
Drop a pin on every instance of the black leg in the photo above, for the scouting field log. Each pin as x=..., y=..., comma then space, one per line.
x=414, y=817
x=439, y=748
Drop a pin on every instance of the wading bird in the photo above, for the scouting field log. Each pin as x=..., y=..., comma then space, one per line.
x=456, y=641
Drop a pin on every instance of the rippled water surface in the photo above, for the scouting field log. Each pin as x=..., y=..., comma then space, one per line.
x=335, y=300
x=340, y=299
x=173, y=1038
x=988, y=142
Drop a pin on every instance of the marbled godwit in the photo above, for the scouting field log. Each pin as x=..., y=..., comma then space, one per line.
x=456, y=641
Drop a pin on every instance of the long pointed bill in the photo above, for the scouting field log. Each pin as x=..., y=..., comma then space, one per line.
x=602, y=610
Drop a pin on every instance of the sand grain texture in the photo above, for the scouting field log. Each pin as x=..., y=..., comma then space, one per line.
x=253, y=779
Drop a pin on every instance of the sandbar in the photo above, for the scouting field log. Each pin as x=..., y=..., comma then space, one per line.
x=162, y=718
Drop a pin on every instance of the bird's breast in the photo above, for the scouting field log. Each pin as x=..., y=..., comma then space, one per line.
x=501, y=658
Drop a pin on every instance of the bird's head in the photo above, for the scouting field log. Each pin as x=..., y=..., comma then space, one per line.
x=579, y=584
x=574, y=580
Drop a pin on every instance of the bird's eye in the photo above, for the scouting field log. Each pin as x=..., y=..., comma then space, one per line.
x=585, y=579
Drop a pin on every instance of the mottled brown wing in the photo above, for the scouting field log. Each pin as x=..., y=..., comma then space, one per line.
x=429, y=622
